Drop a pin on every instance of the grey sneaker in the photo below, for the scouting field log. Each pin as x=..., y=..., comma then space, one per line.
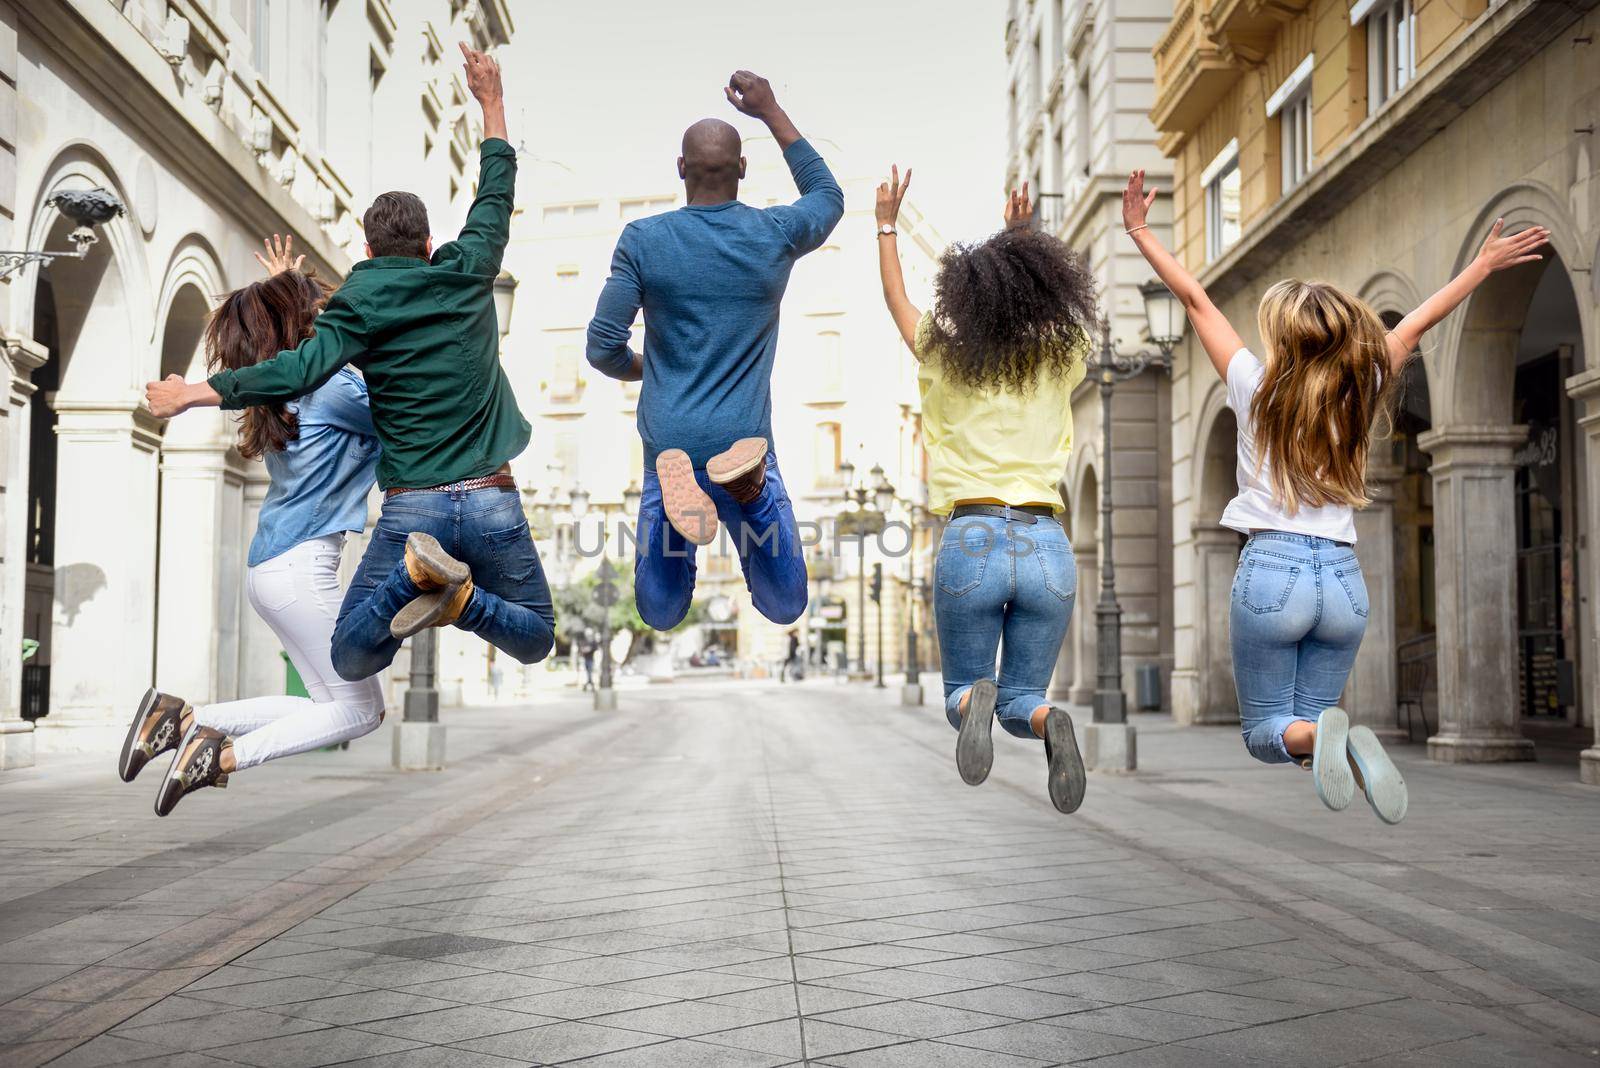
x=975, y=743
x=1330, y=767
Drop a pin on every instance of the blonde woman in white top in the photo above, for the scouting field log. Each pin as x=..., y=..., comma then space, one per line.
x=1306, y=409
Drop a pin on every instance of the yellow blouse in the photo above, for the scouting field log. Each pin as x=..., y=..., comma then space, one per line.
x=994, y=444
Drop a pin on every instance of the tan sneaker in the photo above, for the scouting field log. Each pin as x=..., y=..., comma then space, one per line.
x=446, y=582
x=690, y=511
x=156, y=728
x=741, y=470
x=197, y=765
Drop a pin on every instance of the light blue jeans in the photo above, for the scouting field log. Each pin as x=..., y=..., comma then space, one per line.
x=1299, y=611
x=1002, y=589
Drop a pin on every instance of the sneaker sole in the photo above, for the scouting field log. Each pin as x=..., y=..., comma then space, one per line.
x=1385, y=789
x=688, y=507
x=1068, y=780
x=422, y=612
x=428, y=551
x=975, y=742
x=740, y=458
x=1330, y=768
x=146, y=704
x=167, y=779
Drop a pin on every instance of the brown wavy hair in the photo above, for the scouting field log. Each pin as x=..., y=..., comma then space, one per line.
x=1324, y=394
x=1009, y=309
x=253, y=324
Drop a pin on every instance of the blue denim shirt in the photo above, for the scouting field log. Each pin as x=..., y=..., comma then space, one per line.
x=320, y=481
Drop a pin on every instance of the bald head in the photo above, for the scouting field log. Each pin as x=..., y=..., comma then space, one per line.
x=711, y=165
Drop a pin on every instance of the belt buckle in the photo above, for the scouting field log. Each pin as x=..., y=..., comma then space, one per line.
x=1013, y=515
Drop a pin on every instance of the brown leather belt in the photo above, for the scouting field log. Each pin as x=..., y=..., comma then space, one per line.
x=501, y=479
x=1015, y=513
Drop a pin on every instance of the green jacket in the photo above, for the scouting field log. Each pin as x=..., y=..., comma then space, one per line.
x=424, y=334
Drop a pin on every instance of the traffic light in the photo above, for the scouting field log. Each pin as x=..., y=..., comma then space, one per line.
x=875, y=591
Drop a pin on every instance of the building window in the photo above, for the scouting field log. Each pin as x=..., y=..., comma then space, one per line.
x=569, y=211
x=564, y=374
x=1391, y=47
x=830, y=364
x=567, y=274
x=1221, y=183
x=1291, y=103
x=1083, y=124
x=640, y=207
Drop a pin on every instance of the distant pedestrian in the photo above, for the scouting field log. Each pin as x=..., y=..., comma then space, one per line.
x=998, y=358
x=586, y=650
x=792, y=663
x=1305, y=415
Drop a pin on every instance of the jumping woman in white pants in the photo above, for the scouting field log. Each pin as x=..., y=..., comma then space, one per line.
x=322, y=454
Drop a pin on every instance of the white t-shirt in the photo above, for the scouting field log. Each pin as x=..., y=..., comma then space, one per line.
x=1254, y=507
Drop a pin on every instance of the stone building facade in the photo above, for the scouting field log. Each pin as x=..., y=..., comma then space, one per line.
x=214, y=122
x=1373, y=144
x=1080, y=82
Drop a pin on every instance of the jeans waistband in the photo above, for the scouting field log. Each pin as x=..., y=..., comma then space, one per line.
x=1310, y=541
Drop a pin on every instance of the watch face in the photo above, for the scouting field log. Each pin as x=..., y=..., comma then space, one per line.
x=885, y=229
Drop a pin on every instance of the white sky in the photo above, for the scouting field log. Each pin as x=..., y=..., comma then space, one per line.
x=606, y=88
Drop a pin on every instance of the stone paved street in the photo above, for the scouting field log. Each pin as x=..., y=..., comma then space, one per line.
x=739, y=874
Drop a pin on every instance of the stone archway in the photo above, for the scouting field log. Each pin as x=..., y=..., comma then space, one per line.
x=1061, y=679
x=1480, y=461
x=1209, y=695
x=200, y=557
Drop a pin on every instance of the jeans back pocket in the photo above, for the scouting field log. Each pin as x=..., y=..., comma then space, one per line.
x=514, y=556
x=963, y=556
x=1355, y=587
x=1265, y=585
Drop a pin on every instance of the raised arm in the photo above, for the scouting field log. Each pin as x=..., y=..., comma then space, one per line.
x=612, y=325
x=1217, y=335
x=901, y=310
x=808, y=221
x=488, y=226
x=1497, y=254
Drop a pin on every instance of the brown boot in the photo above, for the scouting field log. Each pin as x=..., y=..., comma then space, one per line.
x=741, y=470
x=157, y=726
x=440, y=608
x=690, y=511
x=430, y=567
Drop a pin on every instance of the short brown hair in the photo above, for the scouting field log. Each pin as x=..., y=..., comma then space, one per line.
x=397, y=225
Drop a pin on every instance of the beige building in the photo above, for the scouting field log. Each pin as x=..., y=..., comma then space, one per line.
x=214, y=122
x=1373, y=144
x=1080, y=82
x=844, y=388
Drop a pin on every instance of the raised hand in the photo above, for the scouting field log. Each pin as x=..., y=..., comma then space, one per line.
x=1498, y=252
x=483, y=76
x=890, y=194
x=280, y=255
x=751, y=94
x=1019, y=208
x=1136, y=202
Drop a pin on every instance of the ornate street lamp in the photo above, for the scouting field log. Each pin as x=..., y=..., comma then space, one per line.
x=1164, y=319
x=871, y=504
x=911, y=692
x=505, y=295
x=86, y=207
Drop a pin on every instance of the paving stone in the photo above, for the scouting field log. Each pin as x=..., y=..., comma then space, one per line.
x=359, y=1008
x=682, y=1053
x=932, y=1055
x=558, y=1042
x=270, y=992
x=455, y=1024
x=1014, y=1002
x=1045, y=1042
x=684, y=1019
x=485, y=988
x=581, y=1002
x=332, y=1045
x=914, y=1019
x=201, y=1033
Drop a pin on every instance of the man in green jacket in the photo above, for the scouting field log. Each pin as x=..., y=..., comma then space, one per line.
x=452, y=544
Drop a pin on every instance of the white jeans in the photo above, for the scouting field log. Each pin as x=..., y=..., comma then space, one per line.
x=298, y=596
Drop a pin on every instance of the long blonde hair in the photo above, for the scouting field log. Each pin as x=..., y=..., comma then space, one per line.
x=1324, y=387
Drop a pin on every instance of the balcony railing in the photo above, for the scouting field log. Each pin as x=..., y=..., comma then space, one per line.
x=1191, y=72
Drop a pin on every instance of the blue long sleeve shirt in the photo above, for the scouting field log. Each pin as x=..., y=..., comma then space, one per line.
x=321, y=479
x=709, y=279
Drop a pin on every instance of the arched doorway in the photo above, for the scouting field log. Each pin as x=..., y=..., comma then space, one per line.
x=1216, y=551
x=1507, y=467
x=1415, y=602
x=39, y=539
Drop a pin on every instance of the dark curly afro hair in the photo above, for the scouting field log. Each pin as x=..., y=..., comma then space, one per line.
x=1010, y=309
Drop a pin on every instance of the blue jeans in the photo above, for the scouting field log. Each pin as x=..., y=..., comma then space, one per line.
x=1299, y=610
x=484, y=529
x=763, y=533
x=1007, y=588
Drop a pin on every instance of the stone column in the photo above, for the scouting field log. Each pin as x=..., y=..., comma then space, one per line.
x=1062, y=679
x=1370, y=694
x=1475, y=549
x=1584, y=389
x=1085, y=679
x=103, y=644
x=201, y=576
x=23, y=357
x=260, y=663
x=1216, y=558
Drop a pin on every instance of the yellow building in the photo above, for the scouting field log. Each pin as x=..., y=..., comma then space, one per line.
x=1372, y=144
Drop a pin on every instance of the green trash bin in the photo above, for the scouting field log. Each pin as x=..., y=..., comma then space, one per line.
x=295, y=686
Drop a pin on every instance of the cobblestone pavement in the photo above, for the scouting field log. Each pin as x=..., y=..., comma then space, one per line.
x=757, y=875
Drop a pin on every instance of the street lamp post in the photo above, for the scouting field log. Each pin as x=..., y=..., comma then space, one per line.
x=871, y=505
x=86, y=207
x=911, y=692
x=605, y=697
x=1109, y=738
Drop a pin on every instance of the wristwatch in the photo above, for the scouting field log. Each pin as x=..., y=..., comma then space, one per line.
x=886, y=230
